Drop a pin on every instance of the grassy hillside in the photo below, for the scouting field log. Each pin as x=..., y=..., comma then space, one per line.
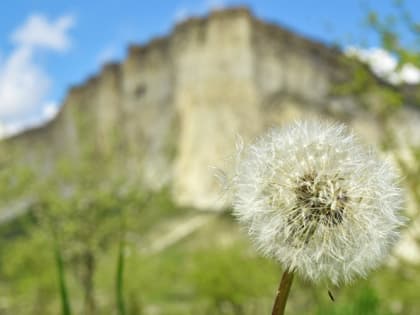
x=176, y=261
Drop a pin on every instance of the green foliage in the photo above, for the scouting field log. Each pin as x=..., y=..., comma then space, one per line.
x=27, y=272
x=388, y=29
x=365, y=302
x=214, y=271
x=374, y=94
x=370, y=92
x=232, y=278
x=186, y=280
x=361, y=79
x=14, y=179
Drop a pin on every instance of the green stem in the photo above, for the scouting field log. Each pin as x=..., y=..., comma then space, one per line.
x=120, y=272
x=283, y=293
x=65, y=304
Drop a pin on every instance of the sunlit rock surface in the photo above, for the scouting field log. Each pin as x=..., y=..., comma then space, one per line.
x=172, y=111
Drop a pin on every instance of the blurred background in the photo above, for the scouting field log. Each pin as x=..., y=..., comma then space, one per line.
x=116, y=119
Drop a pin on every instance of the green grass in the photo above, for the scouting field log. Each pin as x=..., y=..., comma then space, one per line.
x=213, y=271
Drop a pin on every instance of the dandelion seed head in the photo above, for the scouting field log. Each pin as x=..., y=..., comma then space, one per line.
x=316, y=200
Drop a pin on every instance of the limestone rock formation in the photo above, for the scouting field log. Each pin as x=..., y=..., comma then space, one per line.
x=174, y=107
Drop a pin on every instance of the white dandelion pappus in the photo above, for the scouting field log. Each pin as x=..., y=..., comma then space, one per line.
x=317, y=201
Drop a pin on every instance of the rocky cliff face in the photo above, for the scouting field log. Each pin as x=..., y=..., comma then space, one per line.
x=174, y=107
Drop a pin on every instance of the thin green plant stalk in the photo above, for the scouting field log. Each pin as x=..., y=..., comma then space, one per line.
x=65, y=302
x=120, y=271
x=283, y=293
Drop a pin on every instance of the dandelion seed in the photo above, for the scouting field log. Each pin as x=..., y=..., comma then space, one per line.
x=317, y=201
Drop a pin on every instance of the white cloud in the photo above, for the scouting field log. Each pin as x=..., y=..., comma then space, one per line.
x=380, y=61
x=39, y=32
x=11, y=129
x=49, y=111
x=24, y=84
x=410, y=74
x=385, y=65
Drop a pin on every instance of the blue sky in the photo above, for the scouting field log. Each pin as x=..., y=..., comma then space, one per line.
x=47, y=46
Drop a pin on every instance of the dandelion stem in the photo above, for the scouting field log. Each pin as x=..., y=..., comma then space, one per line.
x=283, y=293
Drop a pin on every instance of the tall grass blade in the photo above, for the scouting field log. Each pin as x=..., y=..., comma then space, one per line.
x=120, y=274
x=65, y=303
